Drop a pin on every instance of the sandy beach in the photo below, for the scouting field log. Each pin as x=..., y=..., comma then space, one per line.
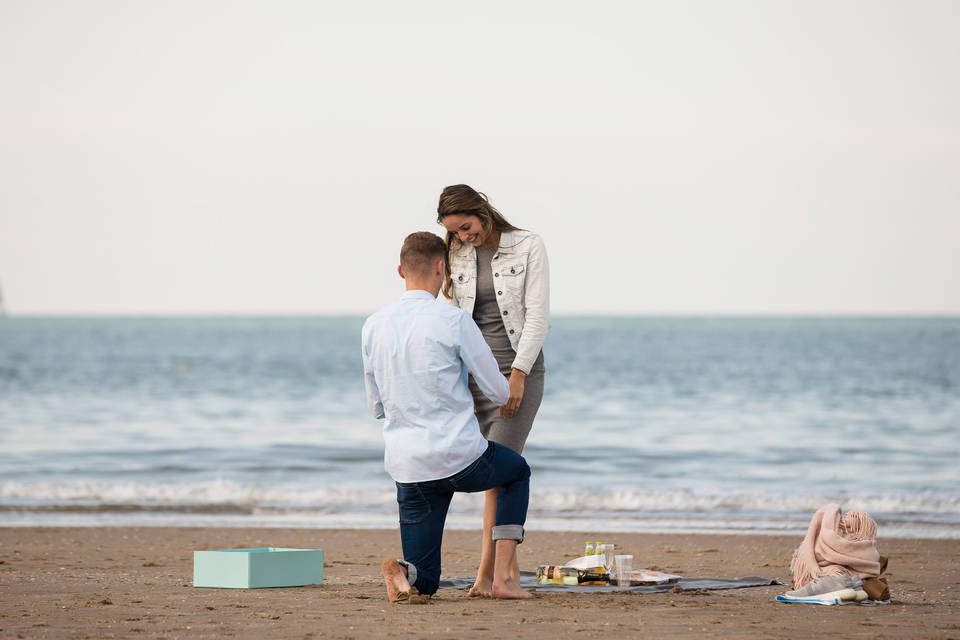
x=137, y=582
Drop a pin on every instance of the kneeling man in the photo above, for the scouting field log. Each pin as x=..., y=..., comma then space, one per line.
x=416, y=355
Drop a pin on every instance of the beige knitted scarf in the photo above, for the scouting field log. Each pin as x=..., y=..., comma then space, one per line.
x=837, y=544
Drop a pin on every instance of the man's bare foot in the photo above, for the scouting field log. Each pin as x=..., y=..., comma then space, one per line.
x=399, y=589
x=396, y=578
x=482, y=588
x=509, y=589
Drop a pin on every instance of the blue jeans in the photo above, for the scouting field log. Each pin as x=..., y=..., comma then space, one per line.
x=423, y=509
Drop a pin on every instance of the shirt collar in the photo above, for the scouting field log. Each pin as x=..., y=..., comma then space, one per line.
x=417, y=294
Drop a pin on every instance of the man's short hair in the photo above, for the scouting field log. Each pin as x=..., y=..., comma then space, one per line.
x=420, y=252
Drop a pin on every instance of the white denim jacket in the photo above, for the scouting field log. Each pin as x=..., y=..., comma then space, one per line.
x=521, y=277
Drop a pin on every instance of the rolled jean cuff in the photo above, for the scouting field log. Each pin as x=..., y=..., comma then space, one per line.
x=508, y=532
x=411, y=571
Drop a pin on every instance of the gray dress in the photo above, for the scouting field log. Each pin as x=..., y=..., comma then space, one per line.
x=486, y=313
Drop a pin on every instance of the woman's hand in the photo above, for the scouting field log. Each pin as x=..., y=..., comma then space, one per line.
x=517, y=380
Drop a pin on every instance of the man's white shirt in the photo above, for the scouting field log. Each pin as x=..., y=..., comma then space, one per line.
x=416, y=355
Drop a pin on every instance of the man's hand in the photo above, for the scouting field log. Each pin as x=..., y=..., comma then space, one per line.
x=517, y=380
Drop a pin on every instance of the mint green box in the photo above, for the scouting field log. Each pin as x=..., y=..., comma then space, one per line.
x=257, y=568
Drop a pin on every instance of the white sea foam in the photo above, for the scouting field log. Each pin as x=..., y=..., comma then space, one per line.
x=220, y=494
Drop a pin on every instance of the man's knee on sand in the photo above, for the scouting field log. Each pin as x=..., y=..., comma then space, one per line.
x=425, y=579
x=428, y=585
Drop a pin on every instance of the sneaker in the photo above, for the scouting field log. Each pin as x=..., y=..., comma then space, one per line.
x=828, y=586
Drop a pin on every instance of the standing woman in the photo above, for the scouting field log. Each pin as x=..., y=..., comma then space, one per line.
x=498, y=274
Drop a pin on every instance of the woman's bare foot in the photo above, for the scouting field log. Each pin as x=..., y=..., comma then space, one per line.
x=509, y=589
x=482, y=588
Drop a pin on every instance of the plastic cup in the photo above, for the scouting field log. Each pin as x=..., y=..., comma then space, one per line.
x=624, y=569
x=607, y=551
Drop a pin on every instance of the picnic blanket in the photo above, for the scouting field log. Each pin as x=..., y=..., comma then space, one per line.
x=528, y=580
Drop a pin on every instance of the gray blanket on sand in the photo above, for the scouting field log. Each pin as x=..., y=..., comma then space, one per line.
x=528, y=580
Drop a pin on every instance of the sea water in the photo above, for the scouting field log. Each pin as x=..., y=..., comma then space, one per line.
x=712, y=424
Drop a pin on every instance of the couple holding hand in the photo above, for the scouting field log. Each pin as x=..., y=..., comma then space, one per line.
x=458, y=386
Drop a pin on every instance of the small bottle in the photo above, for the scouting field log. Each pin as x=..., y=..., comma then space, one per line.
x=597, y=548
x=589, y=549
x=542, y=574
x=553, y=575
x=592, y=577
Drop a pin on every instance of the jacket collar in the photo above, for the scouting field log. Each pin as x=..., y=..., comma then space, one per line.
x=508, y=240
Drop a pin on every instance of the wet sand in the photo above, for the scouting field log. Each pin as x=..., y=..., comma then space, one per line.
x=137, y=582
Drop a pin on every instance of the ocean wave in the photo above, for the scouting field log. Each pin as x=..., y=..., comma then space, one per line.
x=187, y=494
x=620, y=500
x=231, y=497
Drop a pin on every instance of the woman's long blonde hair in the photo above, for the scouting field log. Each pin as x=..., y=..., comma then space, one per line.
x=465, y=200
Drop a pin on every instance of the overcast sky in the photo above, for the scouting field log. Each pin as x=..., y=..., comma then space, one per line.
x=676, y=157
